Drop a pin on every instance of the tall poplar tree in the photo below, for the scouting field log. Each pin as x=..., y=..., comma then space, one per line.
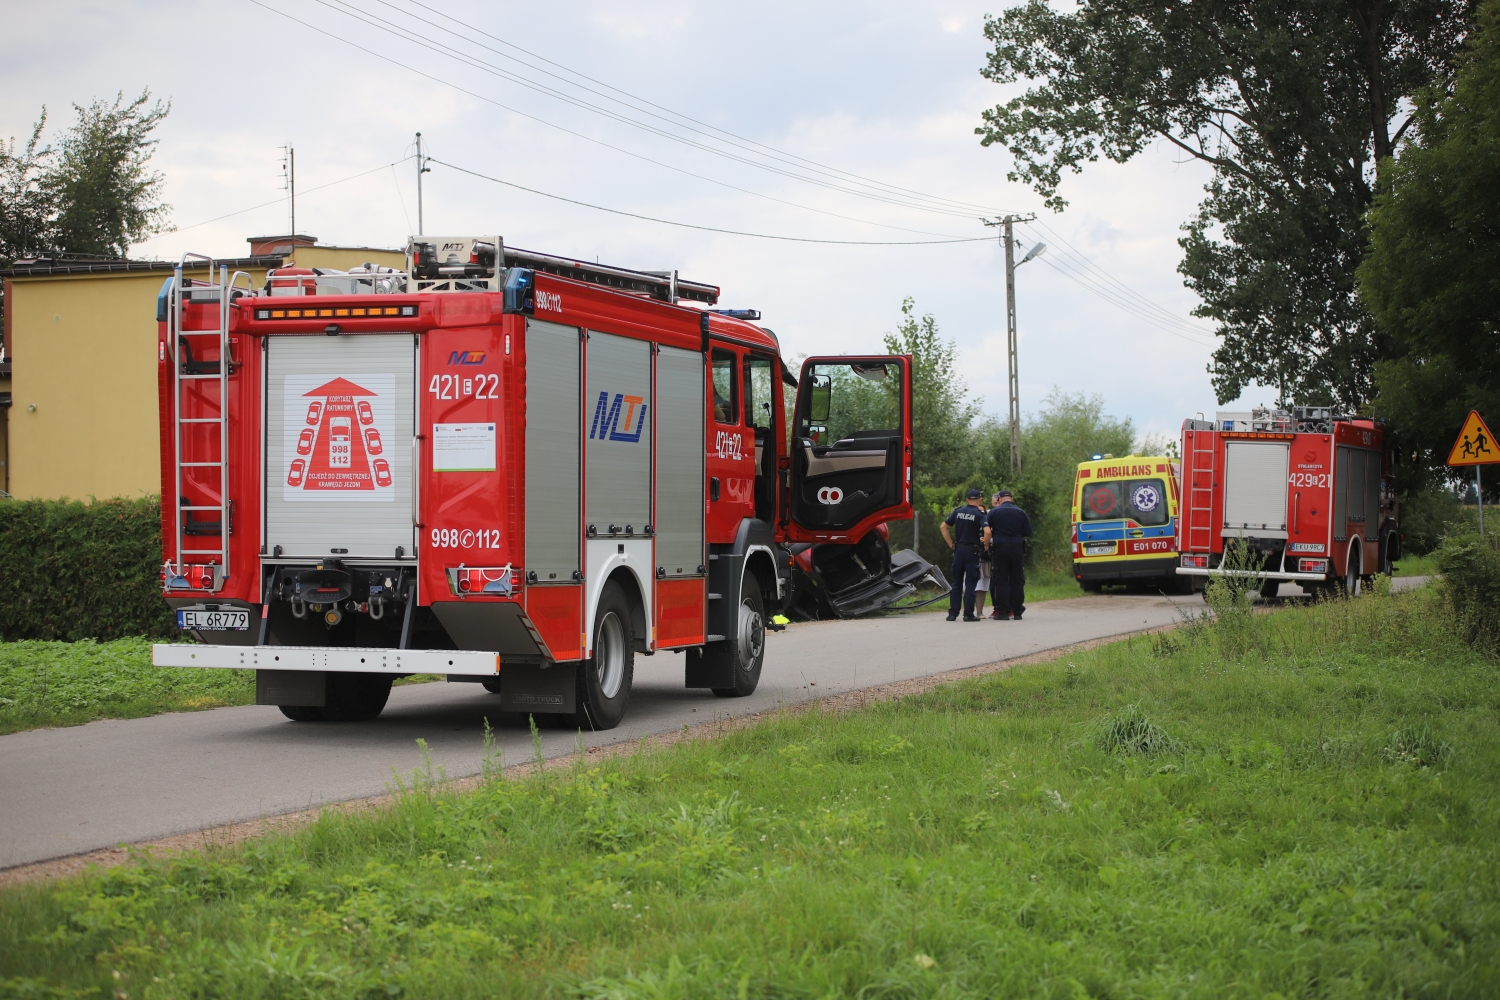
x=1291, y=103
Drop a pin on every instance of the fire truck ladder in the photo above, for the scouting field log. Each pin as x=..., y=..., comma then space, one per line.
x=1201, y=468
x=189, y=371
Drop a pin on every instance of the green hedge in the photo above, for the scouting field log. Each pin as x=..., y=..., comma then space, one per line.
x=71, y=570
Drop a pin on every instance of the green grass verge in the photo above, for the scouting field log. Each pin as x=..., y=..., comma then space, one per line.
x=46, y=684
x=1298, y=804
x=1417, y=565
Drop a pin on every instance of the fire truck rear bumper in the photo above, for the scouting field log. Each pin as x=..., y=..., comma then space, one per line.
x=1257, y=574
x=347, y=660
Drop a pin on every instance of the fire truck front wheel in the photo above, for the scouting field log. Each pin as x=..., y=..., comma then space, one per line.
x=748, y=652
x=604, y=681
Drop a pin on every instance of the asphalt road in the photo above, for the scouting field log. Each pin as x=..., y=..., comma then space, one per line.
x=69, y=791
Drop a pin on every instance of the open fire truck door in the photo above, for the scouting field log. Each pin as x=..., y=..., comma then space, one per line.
x=851, y=447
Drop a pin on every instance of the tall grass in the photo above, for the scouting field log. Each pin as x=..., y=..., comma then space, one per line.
x=1313, y=816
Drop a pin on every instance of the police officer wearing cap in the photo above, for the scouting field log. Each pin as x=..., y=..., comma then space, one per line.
x=965, y=539
x=1006, y=528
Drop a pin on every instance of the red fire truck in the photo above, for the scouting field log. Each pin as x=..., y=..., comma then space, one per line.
x=501, y=466
x=1306, y=492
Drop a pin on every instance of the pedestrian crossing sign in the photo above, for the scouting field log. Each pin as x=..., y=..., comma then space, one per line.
x=1475, y=444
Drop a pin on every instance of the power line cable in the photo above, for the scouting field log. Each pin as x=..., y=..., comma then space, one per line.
x=709, y=229
x=553, y=125
x=1114, y=298
x=1122, y=304
x=1083, y=261
x=1123, y=288
x=473, y=62
x=740, y=141
x=278, y=201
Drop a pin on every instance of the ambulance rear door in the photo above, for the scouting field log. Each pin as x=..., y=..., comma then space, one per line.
x=851, y=447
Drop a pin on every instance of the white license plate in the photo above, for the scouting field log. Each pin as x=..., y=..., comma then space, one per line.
x=213, y=621
x=1098, y=548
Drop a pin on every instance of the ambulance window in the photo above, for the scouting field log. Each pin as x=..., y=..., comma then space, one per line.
x=726, y=405
x=1101, y=502
x=1146, y=501
x=759, y=386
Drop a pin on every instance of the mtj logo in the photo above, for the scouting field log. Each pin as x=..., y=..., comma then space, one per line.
x=613, y=421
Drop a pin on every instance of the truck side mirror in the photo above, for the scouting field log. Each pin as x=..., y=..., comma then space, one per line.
x=822, y=398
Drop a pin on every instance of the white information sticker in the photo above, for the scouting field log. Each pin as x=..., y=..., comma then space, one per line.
x=463, y=447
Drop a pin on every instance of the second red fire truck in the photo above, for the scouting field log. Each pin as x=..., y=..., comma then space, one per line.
x=500, y=466
x=1306, y=494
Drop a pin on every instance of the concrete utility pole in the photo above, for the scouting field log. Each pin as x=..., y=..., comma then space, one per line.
x=1012, y=369
x=422, y=168
x=289, y=169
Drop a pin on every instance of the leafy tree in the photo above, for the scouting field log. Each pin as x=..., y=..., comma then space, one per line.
x=25, y=201
x=1432, y=279
x=93, y=196
x=1290, y=102
x=942, y=413
x=107, y=198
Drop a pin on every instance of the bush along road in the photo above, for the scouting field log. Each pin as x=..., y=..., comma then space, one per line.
x=1292, y=804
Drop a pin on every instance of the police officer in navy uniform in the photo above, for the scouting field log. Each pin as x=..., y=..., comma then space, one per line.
x=965, y=539
x=1006, y=528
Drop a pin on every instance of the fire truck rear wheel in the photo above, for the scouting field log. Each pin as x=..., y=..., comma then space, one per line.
x=356, y=697
x=1352, y=582
x=748, y=652
x=302, y=713
x=604, y=680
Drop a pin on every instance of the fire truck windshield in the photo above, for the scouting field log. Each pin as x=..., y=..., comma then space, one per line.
x=1143, y=501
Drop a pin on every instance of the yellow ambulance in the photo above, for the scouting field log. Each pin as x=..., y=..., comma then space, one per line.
x=1125, y=522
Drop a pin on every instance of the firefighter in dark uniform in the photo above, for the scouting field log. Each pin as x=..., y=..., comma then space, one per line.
x=1006, y=528
x=965, y=539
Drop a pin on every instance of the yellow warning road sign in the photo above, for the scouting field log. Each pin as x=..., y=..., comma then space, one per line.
x=1475, y=444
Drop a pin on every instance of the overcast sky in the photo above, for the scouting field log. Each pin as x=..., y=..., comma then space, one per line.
x=829, y=121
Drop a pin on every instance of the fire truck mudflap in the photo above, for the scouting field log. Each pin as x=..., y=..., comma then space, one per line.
x=499, y=466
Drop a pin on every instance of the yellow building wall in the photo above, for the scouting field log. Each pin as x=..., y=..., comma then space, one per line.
x=4, y=436
x=83, y=418
x=344, y=258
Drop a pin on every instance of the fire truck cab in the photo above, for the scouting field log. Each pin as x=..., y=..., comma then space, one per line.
x=500, y=466
x=1306, y=493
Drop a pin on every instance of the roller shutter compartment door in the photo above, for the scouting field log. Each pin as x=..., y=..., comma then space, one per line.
x=1340, y=493
x=552, y=460
x=1354, y=486
x=679, y=462
x=1372, y=494
x=618, y=410
x=1255, y=474
x=340, y=422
